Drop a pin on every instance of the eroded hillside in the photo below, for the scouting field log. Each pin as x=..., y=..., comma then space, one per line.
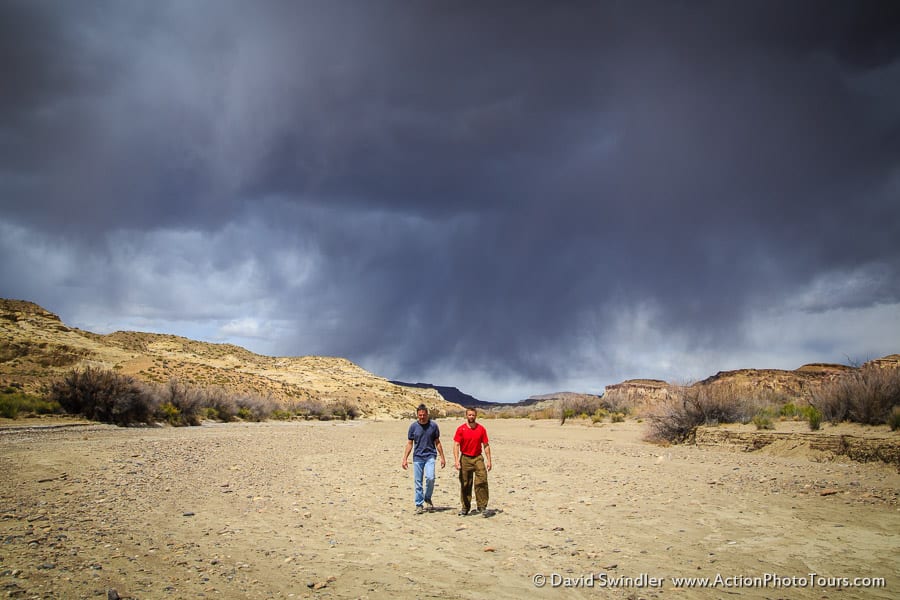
x=36, y=347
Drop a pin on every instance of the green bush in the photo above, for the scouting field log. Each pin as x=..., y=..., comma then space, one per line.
x=789, y=410
x=170, y=413
x=814, y=417
x=763, y=420
x=9, y=406
x=617, y=417
x=14, y=402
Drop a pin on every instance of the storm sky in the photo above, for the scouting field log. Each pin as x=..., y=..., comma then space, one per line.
x=512, y=198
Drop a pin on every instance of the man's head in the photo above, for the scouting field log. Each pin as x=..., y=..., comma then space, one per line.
x=471, y=415
x=422, y=414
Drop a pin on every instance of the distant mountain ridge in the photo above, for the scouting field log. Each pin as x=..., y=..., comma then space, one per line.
x=448, y=393
x=36, y=348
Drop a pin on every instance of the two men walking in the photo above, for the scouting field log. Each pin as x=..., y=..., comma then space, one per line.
x=468, y=442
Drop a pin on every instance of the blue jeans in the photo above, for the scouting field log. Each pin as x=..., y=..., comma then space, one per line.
x=426, y=468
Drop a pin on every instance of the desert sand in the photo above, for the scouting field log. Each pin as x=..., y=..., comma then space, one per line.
x=323, y=510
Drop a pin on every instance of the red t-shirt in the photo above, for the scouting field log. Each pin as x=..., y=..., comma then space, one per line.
x=470, y=440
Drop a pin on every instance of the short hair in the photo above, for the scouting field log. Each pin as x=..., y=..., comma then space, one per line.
x=421, y=407
x=473, y=409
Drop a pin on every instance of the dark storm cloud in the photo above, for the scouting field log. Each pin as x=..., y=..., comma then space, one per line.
x=512, y=189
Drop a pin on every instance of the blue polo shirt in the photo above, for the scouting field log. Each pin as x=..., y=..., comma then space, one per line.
x=424, y=438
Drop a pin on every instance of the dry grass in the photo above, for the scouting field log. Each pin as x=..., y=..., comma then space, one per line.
x=677, y=419
x=868, y=396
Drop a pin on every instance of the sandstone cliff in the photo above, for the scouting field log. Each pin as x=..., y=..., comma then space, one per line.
x=776, y=386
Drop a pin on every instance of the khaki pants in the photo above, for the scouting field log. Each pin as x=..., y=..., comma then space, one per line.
x=472, y=470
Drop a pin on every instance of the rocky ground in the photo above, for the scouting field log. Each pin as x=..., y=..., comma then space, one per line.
x=309, y=509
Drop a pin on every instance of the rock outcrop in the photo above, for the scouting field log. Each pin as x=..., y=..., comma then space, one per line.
x=861, y=449
x=776, y=386
x=638, y=395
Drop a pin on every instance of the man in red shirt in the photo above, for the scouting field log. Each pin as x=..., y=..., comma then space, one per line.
x=470, y=438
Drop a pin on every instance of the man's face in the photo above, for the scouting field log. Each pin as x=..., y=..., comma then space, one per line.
x=471, y=416
x=422, y=416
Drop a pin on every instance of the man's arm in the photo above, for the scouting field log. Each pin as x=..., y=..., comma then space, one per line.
x=487, y=455
x=456, y=455
x=440, y=449
x=405, y=462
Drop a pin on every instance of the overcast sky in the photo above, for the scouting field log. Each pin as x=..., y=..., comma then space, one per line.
x=512, y=198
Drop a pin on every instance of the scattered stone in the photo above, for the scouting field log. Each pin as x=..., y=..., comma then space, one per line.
x=489, y=549
x=828, y=492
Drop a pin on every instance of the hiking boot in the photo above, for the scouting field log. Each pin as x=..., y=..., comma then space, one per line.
x=462, y=512
x=475, y=511
x=429, y=506
x=419, y=509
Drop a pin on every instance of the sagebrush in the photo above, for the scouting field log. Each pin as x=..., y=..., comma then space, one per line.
x=866, y=395
x=110, y=397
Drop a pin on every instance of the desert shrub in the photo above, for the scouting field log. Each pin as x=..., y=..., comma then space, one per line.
x=804, y=412
x=788, y=410
x=564, y=414
x=544, y=413
x=220, y=405
x=255, y=408
x=763, y=420
x=105, y=396
x=309, y=409
x=14, y=402
x=866, y=395
x=614, y=405
x=9, y=406
x=346, y=410
x=894, y=419
x=598, y=416
x=179, y=404
x=169, y=413
x=279, y=414
x=582, y=407
x=617, y=417
x=676, y=419
x=814, y=418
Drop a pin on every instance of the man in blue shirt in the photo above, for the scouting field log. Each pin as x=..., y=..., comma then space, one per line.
x=427, y=438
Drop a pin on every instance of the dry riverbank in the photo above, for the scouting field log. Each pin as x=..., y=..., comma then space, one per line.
x=268, y=510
